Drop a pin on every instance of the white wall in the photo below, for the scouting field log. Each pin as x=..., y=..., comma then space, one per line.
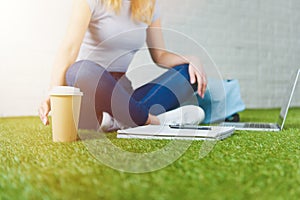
x=30, y=34
x=256, y=41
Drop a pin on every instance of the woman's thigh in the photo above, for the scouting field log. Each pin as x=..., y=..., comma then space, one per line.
x=103, y=93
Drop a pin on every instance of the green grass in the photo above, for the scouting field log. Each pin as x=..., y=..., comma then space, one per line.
x=248, y=165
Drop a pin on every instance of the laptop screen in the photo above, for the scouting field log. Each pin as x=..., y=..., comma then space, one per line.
x=287, y=99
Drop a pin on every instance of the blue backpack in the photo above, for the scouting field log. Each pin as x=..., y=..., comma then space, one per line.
x=221, y=101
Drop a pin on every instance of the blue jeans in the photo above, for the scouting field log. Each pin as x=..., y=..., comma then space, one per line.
x=109, y=92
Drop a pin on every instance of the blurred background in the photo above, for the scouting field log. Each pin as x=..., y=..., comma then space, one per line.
x=254, y=41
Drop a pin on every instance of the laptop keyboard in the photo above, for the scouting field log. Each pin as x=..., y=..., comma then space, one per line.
x=256, y=125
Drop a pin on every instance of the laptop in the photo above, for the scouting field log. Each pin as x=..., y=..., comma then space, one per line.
x=253, y=126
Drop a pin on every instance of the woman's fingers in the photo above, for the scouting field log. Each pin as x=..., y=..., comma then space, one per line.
x=201, y=80
x=44, y=110
x=199, y=76
x=192, y=76
x=43, y=115
x=202, y=89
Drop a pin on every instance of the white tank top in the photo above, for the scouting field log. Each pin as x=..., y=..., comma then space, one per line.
x=112, y=40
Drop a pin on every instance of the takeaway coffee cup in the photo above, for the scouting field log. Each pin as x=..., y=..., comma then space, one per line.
x=65, y=109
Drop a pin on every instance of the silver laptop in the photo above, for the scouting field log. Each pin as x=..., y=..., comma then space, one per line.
x=253, y=126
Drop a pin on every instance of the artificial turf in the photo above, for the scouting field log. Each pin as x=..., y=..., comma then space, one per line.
x=248, y=165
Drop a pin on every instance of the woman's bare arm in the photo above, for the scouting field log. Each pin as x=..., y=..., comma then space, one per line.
x=167, y=59
x=68, y=50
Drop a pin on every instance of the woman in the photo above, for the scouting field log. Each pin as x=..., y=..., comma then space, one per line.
x=101, y=40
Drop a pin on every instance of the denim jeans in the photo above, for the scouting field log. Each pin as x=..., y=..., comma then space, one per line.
x=104, y=92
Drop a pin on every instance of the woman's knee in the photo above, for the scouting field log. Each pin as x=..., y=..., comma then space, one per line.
x=83, y=71
x=182, y=69
x=184, y=76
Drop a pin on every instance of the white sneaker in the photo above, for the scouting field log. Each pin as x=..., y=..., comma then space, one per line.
x=109, y=124
x=185, y=115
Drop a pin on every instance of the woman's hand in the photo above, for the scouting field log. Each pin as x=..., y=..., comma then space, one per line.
x=197, y=75
x=44, y=110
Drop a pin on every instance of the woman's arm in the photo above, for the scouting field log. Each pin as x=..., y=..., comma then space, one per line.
x=164, y=58
x=68, y=50
x=70, y=46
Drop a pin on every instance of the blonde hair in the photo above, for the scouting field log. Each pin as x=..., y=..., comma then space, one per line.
x=141, y=10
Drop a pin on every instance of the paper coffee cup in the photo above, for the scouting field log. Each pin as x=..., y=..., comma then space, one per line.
x=65, y=110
